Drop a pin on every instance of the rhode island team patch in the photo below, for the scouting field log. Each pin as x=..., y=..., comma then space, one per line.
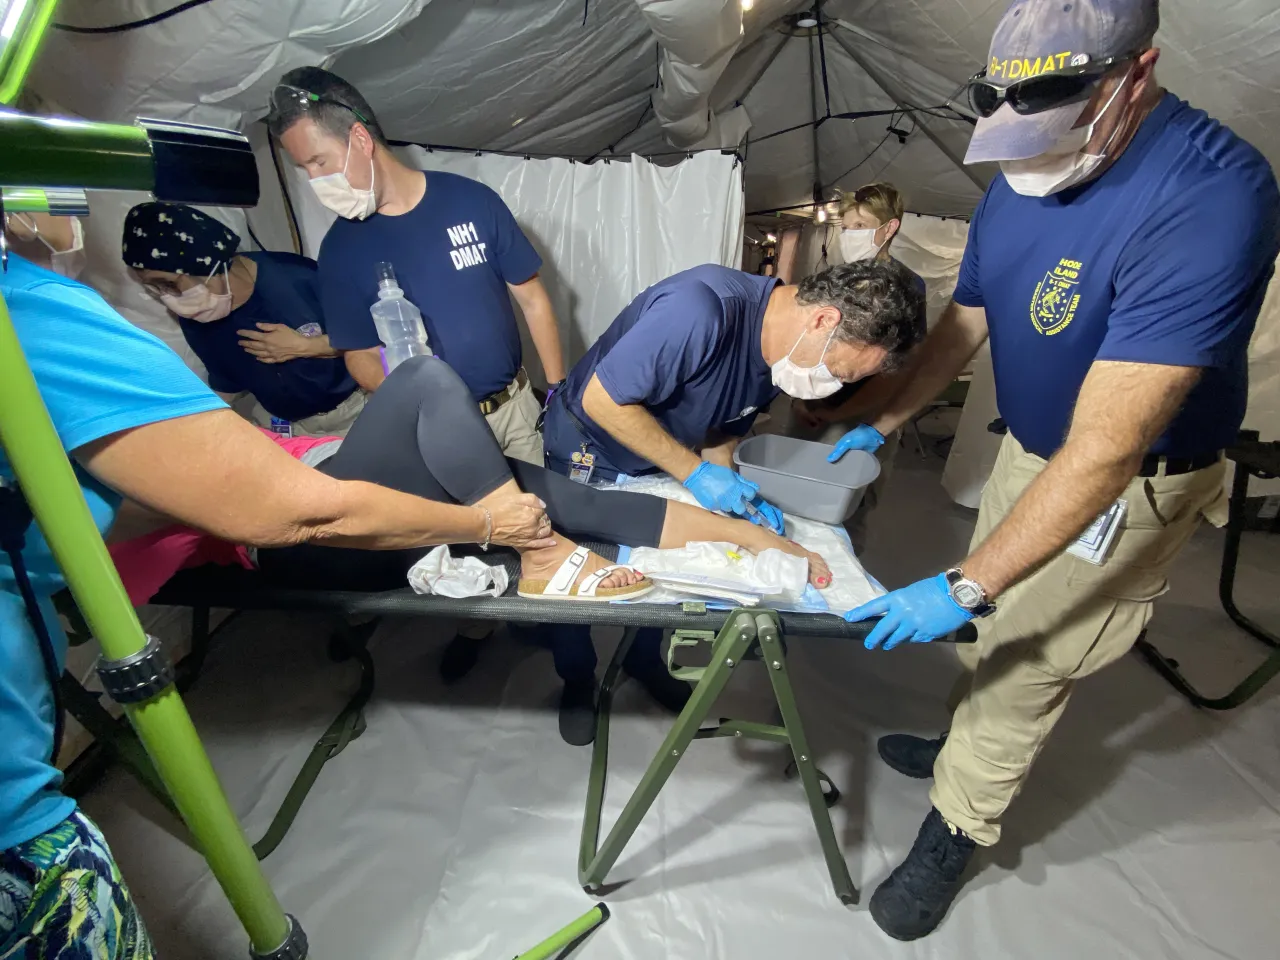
x=1054, y=303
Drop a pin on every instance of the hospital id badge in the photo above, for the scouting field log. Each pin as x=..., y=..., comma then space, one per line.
x=1093, y=544
x=582, y=467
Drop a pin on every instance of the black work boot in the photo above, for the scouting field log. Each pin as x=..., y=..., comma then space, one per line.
x=910, y=756
x=915, y=897
x=460, y=657
x=578, y=712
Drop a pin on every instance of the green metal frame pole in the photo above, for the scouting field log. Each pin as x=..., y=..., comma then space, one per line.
x=48, y=151
x=569, y=935
x=50, y=485
x=25, y=43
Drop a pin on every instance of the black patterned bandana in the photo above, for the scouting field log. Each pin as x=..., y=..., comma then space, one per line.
x=177, y=239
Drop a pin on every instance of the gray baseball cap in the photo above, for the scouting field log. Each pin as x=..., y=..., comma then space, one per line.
x=1035, y=37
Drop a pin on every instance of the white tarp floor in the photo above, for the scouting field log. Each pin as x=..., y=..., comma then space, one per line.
x=449, y=831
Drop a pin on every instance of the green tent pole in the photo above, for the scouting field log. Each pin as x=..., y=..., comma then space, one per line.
x=571, y=934
x=51, y=488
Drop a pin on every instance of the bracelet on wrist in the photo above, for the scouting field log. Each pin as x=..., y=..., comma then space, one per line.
x=488, y=528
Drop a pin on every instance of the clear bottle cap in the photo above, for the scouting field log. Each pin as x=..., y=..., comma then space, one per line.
x=386, y=272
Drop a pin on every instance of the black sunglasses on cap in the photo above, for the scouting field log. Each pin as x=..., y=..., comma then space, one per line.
x=285, y=92
x=1039, y=93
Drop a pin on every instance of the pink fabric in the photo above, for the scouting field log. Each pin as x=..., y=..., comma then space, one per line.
x=146, y=563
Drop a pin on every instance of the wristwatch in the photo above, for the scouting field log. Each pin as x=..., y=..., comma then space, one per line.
x=968, y=594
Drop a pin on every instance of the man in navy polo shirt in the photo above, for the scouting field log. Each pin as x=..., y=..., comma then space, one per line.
x=253, y=319
x=1118, y=265
x=458, y=254
x=675, y=383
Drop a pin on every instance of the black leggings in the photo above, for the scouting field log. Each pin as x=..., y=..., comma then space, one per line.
x=422, y=433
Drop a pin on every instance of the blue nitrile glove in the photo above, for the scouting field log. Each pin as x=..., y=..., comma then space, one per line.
x=719, y=488
x=862, y=437
x=766, y=514
x=922, y=612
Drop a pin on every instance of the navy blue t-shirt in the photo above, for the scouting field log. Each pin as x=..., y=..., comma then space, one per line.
x=454, y=254
x=688, y=349
x=285, y=292
x=1164, y=259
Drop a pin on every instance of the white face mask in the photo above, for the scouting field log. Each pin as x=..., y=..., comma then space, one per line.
x=1066, y=164
x=334, y=190
x=70, y=262
x=806, y=383
x=859, y=244
x=200, y=303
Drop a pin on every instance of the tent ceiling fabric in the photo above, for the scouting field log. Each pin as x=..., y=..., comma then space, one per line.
x=532, y=75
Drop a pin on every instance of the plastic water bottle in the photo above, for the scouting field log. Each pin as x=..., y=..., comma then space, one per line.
x=398, y=321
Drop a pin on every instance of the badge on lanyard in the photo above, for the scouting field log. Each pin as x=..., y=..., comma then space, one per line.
x=1093, y=544
x=583, y=466
x=281, y=426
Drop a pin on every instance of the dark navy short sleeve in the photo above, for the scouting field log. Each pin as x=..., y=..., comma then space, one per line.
x=518, y=262
x=679, y=330
x=345, y=298
x=968, y=292
x=1186, y=282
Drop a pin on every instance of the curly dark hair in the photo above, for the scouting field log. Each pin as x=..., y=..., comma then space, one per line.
x=880, y=305
x=335, y=104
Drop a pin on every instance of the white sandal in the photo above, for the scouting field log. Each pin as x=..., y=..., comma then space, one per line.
x=562, y=585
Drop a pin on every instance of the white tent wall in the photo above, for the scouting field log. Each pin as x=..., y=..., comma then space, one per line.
x=605, y=231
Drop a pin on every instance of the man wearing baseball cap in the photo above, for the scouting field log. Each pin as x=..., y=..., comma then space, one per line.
x=1118, y=265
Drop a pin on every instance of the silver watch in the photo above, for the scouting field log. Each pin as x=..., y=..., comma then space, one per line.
x=968, y=594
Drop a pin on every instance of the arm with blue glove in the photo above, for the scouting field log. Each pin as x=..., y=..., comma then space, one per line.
x=716, y=487
x=1121, y=410
x=922, y=612
x=719, y=488
x=862, y=437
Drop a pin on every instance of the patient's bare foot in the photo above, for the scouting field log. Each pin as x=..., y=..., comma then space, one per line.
x=542, y=564
x=819, y=572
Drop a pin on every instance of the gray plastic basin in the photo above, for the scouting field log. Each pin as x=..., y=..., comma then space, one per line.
x=794, y=476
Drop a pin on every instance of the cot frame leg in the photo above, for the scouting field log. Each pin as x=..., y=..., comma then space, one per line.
x=1270, y=667
x=746, y=634
x=771, y=650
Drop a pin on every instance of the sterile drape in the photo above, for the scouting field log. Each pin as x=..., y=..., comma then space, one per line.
x=605, y=230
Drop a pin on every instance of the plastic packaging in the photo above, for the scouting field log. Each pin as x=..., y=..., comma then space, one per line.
x=725, y=570
x=398, y=321
x=794, y=475
x=445, y=575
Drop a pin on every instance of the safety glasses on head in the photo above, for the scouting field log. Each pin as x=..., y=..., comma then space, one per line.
x=287, y=93
x=1043, y=92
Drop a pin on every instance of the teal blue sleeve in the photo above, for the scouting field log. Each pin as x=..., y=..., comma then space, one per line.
x=97, y=372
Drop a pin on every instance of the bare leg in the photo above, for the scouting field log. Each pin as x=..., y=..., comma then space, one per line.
x=542, y=564
x=684, y=523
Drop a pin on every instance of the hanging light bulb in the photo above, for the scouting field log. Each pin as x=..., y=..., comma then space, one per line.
x=807, y=20
x=748, y=4
x=771, y=238
x=820, y=214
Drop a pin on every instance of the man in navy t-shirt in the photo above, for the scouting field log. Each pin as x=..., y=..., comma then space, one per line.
x=457, y=251
x=1118, y=264
x=253, y=319
x=676, y=381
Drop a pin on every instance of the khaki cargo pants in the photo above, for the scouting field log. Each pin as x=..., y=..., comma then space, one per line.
x=1068, y=620
x=332, y=423
x=515, y=426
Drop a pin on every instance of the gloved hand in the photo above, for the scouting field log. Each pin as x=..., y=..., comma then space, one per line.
x=862, y=437
x=921, y=612
x=719, y=488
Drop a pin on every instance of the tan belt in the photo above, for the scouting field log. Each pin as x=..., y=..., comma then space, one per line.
x=491, y=403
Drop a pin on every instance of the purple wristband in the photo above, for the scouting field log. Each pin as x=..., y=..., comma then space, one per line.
x=382, y=352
